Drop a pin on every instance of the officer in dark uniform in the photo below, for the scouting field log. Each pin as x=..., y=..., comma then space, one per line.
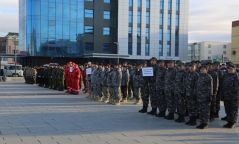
x=169, y=90
x=160, y=77
x=190, y=89
x=145, y=92
x=204, y=92
x=230, y=95
x=152, y=87
x=179, y=92
x=214, y=74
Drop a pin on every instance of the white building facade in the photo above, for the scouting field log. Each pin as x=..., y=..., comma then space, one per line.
x=153, y=28
x=215, y=51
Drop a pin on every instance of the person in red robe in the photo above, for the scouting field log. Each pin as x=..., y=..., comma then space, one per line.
x=68, y=73
x=75, y=79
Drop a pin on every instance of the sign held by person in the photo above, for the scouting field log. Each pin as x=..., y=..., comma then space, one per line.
x=148, y=71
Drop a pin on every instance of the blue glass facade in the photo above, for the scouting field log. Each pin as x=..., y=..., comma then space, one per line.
x=54, y=27
x=130, y=31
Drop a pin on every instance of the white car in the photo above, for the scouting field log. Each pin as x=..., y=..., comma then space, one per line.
x=12, y=70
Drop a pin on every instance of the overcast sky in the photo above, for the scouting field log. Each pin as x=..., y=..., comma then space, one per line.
x=208, y=20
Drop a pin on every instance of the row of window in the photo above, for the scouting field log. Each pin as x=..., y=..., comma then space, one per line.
x=90, y=30
x=147, y=34
x=89, y=13
x=105, y=1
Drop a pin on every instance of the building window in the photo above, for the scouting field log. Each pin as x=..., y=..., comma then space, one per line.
x=130, y=48
x=130, y=29
x=169, y=5
x=147, y=5
x=130, y=3
x=139, y=48
x=89, y=0
x=139, y=17
x=147, y=53
x=106, y=15
x=106, y=31
x=209, y=46
x=161, y=5
x=107, y=1
x=138, y=33
x=89, y=30
x=130, y=17
x=89, y=13
x=147, y=17
x=139, y=4
x=168, y=49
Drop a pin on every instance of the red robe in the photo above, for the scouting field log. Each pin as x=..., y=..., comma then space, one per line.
x=75, y=80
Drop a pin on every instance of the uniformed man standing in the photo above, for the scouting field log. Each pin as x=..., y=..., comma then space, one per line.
x=160, y=77
x=116, y=83
x=190, y=90
x=137, y=80
x=179, y=92
x=145, y=92
x=124, y=83
x=204, y=91
x=214, y=74
x=169, y=90
x=152, y=87
x=130, y=86
x=110, y=85
x=230, y=95
x=105, y=88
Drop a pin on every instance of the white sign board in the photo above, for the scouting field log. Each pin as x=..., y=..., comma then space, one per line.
x=148, y=71
x=88, y=71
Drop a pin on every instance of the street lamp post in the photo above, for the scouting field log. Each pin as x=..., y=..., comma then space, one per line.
x=117, y=45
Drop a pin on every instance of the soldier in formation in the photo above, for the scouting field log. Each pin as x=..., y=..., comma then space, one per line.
x=184, y=92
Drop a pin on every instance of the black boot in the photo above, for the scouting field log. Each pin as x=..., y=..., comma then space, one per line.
x=144, y=109
x=153, y=111
x=230, y=125
x=224, y=118
x=202, y=126
x=170, y=116
x=180, y=119
x=161, y=114
x=192, y=121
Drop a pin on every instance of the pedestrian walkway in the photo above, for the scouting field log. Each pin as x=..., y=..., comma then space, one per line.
x=33, y=115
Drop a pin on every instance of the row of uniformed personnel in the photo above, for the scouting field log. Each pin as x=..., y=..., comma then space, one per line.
x=49, y=77
x=191, y=89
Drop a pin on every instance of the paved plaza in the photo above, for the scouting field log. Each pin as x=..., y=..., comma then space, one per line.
x=33, y=115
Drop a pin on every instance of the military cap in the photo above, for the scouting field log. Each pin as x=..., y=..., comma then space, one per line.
x=205, y=65
x=160, y=61
x=180, y=64
x=153, y=58
x=231, y=65
x=170, y=61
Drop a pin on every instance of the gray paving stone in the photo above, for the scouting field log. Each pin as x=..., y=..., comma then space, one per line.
x=33, y=115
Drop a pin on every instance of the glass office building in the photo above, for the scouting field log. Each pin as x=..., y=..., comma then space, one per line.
x=52, y=27
x=132, y=29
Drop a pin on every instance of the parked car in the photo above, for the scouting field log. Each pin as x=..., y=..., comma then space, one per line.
x=12, y=70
